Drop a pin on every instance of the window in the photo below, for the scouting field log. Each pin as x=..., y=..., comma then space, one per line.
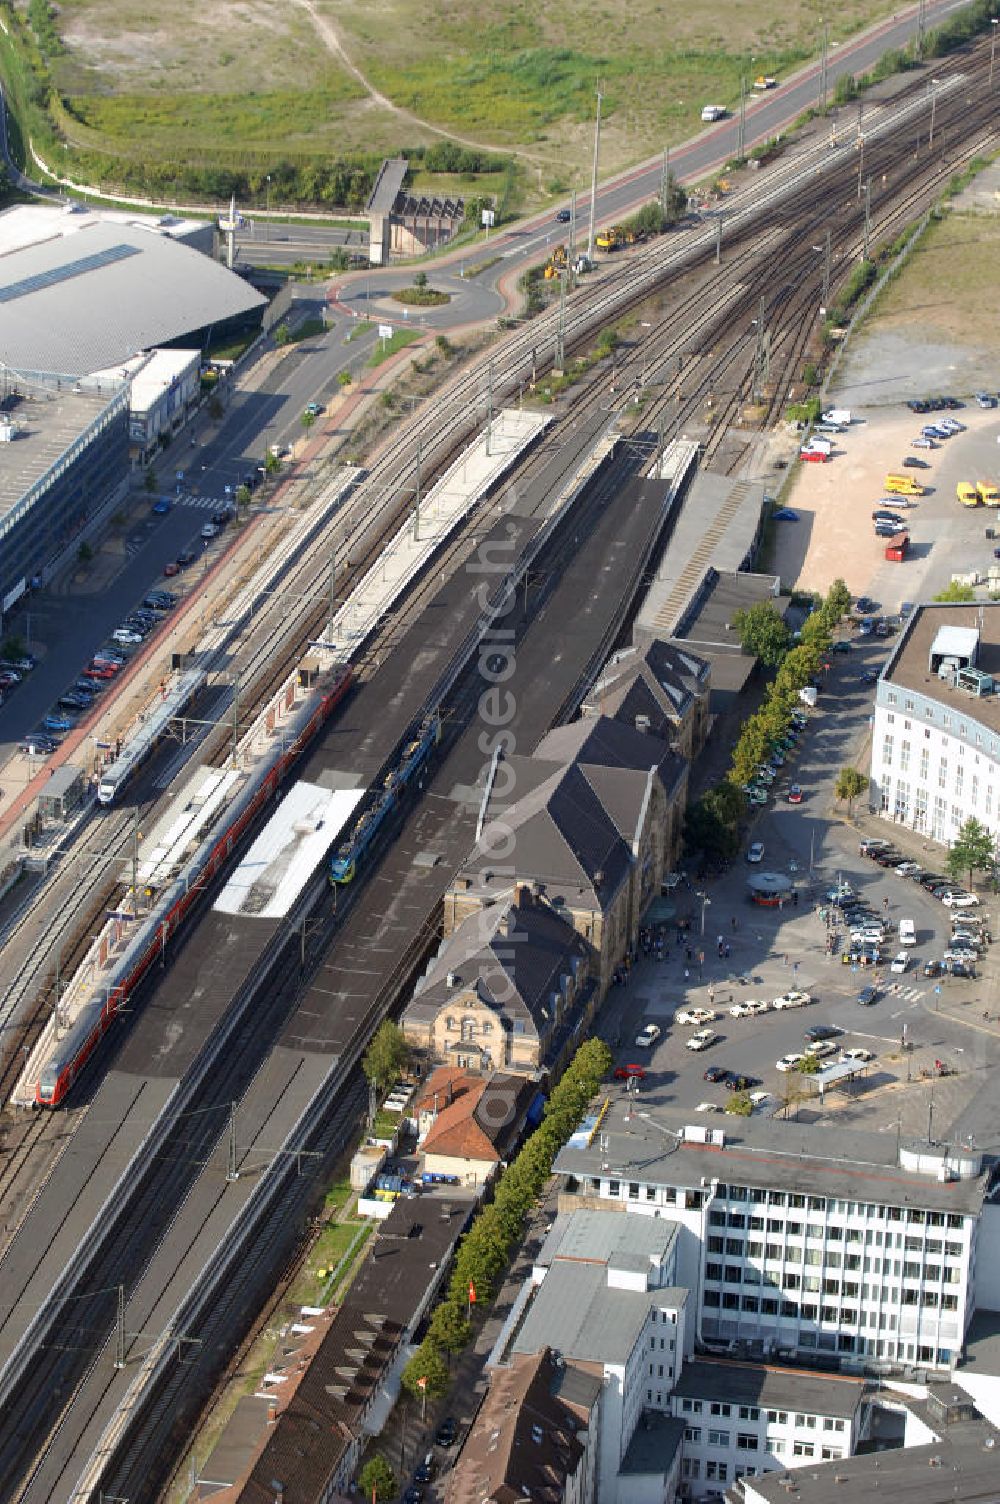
x=737, y=1219
x=716, y=1245
x=718, y=1438
x=750, y=1303
x=734, y=1247
x=716, y=1219
x=718, y=1408
x=831, y=1454
x=691, y=1466
x=747, y=1441
x=904, y=757
x=713, y=1271
x=733, y=1272
x=691, y=1407
x=887, y=752
x=692, y=1433
x=772, y=1251
x=749, y=1412
x=803, y=1449
x=943, y=773
x=814, y=1230
x=718, y=1470
x=633, y=1190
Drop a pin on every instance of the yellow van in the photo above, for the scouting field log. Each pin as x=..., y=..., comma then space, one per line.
x=903, y=485
x=988, y=493
x=967, y=495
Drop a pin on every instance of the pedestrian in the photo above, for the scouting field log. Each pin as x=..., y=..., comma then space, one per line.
x=795, y=899
x=719, y=941
x=721, y=949
x=727, y=951
x=885, y=905
x=733, y=923
x=711, y=993
x=795, y=968
x=687, y=975
x=688, y=953
x=784, y=960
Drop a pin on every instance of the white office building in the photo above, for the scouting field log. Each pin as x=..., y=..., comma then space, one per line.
x=798, y=1240
x=936, y=734
x=744, y=1420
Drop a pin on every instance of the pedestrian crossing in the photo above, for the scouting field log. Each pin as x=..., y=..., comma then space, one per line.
x=205, y=503
x=906, y=994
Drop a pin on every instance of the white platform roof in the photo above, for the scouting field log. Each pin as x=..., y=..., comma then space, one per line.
x=955, y=642
x=288, y=850
x=81, y=303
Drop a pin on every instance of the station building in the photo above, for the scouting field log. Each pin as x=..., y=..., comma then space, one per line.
x=86, y=297
x=936, y=735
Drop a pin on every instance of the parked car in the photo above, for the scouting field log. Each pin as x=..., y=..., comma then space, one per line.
x=822, y=1050
x=900, y=964
x=715, y=1073
x=795, y=794
x=162, y=507
x=128, y=636
x=56, y=721
x=210, y=530
x=912, y=463
x=630, y=1072
x=749, y=1009
x=648, y=1036
x=695, y=1016
x=38, y=745
x=703, y=1040
x=171, y=568
x=959, y=900
x=857, y=1053
x=789, y=1062
x=755, y=851
x=446, y=1432
x=791, y=1000
x=869, y=995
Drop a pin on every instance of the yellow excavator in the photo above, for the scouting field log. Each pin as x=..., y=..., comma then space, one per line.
x=556, y=263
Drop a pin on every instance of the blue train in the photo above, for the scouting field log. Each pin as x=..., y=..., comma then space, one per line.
x=417, y=752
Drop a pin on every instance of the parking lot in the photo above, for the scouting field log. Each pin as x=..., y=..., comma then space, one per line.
x=834, y=534
x=916, y=1021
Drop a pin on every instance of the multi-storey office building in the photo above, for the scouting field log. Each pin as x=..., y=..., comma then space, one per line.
x=800, y=1239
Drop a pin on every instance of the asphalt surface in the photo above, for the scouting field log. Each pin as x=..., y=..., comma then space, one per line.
x=778, y=951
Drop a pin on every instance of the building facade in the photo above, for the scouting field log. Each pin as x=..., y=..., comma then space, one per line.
x=803, y=1241
x=936, y=734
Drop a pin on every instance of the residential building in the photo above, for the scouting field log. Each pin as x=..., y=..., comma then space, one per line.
x=936, y=734
x=511, y=988
x=481, y=1128
x=661, y=688
x=587, y=835
x=742, y=1420
x=535, y=1436
x=311, y=1450
x=800, y=1239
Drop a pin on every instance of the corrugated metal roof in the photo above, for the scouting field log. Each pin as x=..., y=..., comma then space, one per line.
x=81, y=304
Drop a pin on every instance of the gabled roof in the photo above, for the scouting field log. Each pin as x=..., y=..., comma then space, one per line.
x=558, y=830
x=524, y=1442
x=602, y=741
x=484, y=1123
x=442, y=1086
x=513, y=954
x=658, y=681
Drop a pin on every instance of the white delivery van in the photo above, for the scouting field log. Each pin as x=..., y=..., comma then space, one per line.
x=714, y=112
x=907, y=932
x=841, y=415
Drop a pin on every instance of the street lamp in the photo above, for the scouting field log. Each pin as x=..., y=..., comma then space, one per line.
x=994, y=23
x=934, y=88
x=706, y=903
x=267, y=207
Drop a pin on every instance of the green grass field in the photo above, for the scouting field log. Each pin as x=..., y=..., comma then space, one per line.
x=243, y=80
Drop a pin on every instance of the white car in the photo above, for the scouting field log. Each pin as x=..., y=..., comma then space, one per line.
x=695, y=1016
x=789, y=1062
x=759, y=1098
x=858, y=1054
x=708, y=1107
x=648, y=1037
x=791, y=1000
x=821, y=1049
x=900, y=964
x=959, y=900
x=210, y=530
x=755, y=852
x=703, y=1040
x=907, y=869
x=126, y=636
x=923, y=443
x=749, y=1009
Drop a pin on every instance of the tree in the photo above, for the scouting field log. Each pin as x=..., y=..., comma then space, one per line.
x=307, y=420
x=739, y=1104
x=426, y=1364
x=272, y=463
x=344, y=378
x=377, y=1479
x=838, y=599
x=243, y=494
x=809, y=1066
x=387, y=1055
x=956, y=593
x=420, y=279
x=850, y=785
x=713, y=822
x=282, y=335
x=450, y=1327
x=972, y=850
x=763, y=632
x=150, y=480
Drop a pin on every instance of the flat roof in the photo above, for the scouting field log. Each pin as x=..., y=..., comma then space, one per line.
x=47, y=423
x=82, y=303
x=288, y=851
x=823, y=1159
x=908, y=665
x=963, y=1464
x=575, y=1312
x=25, y=225
x=596, y=1236
x=653, y=1445
x=770, y=1388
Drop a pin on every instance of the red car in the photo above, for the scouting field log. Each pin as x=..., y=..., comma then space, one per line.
x=171, y=569
x=99, y=671
x=630, y=1073
x=795, y=794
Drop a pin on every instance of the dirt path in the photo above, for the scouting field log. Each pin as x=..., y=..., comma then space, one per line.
x=333, y=42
